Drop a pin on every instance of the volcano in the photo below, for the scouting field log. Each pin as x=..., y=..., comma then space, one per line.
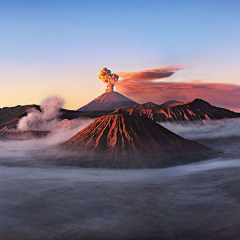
x=124, y=141
x=108, y=101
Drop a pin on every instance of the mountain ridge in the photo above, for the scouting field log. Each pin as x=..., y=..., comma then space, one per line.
x=196, y=109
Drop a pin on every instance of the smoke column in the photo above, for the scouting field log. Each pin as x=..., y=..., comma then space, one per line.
x=107, y=77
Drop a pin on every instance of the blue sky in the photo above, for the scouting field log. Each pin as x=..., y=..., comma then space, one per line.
x=58, y=47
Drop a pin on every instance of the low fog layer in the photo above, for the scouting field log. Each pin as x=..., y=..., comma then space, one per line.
x=29, y=151
x=199, y=199
x=201, y=131
x=206, y=129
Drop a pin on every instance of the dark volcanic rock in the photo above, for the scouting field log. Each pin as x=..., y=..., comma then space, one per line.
x=194, y=110
x=108, y=101
x=124, y=141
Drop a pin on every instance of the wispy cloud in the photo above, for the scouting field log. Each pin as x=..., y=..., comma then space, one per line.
x=151, y=74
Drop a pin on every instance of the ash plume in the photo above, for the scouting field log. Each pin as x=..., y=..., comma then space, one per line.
x=107, y=77
x=151, y=74
x=44, y=120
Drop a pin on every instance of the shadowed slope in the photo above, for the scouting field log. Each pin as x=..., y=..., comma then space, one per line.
x=132, y=142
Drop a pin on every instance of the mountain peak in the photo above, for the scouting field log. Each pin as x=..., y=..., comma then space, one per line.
x=108, y=101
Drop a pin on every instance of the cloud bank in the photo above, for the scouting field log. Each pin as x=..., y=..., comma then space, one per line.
x=205, y=129
x=219, y=94
x=142, y=87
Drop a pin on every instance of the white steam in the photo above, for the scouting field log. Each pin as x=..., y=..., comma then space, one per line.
x=48, y=119
x=44, y=120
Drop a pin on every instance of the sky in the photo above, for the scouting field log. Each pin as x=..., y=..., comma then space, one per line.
x=57, y=48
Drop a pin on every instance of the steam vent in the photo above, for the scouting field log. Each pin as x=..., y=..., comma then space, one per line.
x=124, y=141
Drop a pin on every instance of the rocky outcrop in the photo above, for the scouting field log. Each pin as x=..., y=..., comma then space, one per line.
x=125, y=141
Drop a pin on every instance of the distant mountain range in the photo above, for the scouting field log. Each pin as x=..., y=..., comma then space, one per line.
x=181, y=111
x=150, y=105
x=197, y=109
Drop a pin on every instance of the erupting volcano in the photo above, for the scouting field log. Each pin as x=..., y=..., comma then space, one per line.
x=110, y=100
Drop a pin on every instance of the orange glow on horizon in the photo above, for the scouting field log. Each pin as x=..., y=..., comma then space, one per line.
x=219, y=94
